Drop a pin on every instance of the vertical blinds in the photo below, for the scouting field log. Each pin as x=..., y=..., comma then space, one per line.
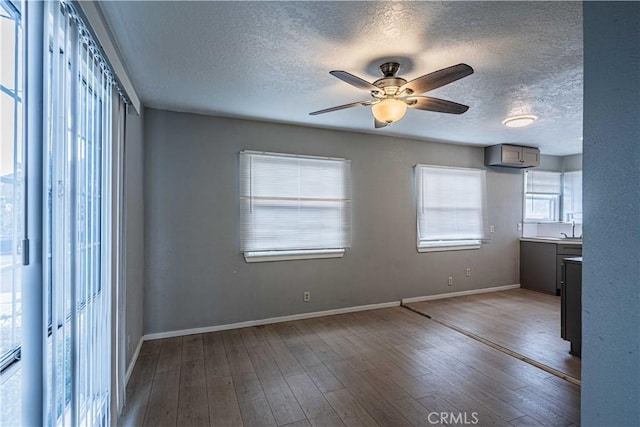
x=450, y=205
x=78, y=100
x=290, y=203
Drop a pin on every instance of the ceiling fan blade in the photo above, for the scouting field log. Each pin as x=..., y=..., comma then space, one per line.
x=435, y=104
x=341, y=107
x=378, y=124
x=438, y=78
x=354, y=81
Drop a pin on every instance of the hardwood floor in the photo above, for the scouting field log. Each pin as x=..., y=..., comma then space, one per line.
x=387, y=367
x=521, y=320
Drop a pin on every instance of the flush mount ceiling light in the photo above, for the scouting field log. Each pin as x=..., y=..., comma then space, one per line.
x=392, y=94
x=519, y=121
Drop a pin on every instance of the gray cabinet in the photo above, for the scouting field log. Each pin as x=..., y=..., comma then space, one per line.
x=514, y=156
x=571, y=306
x=564, y=251
x=541, y=264
x=538, y=266
x=530, y=156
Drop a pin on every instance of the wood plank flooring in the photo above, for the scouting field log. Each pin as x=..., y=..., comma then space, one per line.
x=387, y=367
x=521, y=320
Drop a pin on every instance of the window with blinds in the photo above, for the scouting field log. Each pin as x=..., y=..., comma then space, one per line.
x=294, y=207
x=451, y=206
x=542, y=196
x=572, y=197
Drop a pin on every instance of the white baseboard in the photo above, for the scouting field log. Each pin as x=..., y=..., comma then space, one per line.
x=268, y=321
x=134, y=359
x=461, y=293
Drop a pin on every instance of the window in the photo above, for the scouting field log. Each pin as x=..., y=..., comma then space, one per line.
x=542, y=196
x=11, y=211
x=572, y=197
x=553, y=196
x=294, y=207
x=450, y=206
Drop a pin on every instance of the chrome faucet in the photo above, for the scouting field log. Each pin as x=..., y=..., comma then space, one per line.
x=573, y=231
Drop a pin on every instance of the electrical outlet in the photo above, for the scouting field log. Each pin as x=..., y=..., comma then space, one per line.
x=467, y=272
x=450, y=281
x=519, y=226
x=492, y=229
x=306, y=297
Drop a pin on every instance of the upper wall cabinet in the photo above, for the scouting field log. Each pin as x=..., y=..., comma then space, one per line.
x=512, y=156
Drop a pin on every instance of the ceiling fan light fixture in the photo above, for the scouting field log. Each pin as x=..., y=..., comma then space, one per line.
x=389, y=110
x=519, y=121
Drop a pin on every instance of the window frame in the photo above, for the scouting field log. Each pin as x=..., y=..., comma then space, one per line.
x=286, y=254
x=425, y=245
x=13, y=355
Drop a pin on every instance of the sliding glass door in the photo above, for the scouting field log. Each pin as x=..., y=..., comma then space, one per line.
x=11, y=211
x=56, y=219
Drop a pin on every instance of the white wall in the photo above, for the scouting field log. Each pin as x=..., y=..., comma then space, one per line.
x=195, y=275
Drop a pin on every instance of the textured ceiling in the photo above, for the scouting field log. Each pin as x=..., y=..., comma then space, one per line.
x=271, y=61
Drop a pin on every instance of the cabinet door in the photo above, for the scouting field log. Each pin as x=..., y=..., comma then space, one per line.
x=563, y=303
x=559, y=278
x=531, y=156
x=573, y=305
x=511, y=154
x=538, y=266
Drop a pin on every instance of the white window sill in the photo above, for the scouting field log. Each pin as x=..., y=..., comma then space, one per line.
x=449, y=246
x=266, y=256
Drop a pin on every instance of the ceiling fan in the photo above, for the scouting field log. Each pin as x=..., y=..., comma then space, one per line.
x=392, y=94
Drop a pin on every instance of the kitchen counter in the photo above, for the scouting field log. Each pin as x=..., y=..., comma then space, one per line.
x=556, y=240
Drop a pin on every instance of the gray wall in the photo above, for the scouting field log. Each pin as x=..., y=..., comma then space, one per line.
x=195, y=275
x=611, y=289
x=611, y=284
x=560, y=163
x=134, y=229
x=572, y=163
x=550, y=163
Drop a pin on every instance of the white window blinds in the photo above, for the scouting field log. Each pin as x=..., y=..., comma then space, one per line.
x=450, y=207
x=294, y=203
x=542, y=196
x=572, y=196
